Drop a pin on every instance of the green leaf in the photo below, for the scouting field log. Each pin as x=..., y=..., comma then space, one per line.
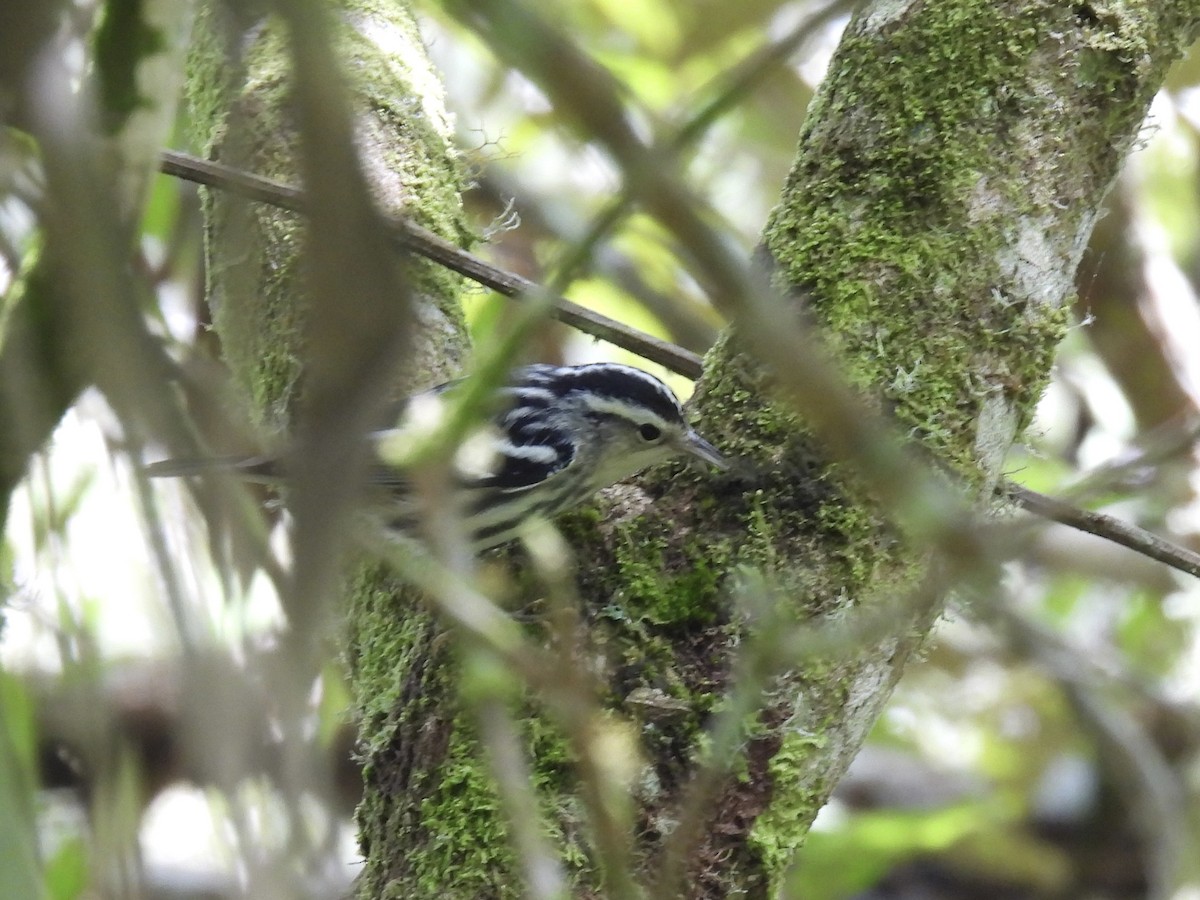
x=20, y=869
x=67, y=871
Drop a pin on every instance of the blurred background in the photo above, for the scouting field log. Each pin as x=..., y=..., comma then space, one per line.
x=1045, y=745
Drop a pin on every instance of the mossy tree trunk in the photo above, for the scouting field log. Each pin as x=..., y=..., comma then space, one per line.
x=948, y=177
x=947, y=180
x=241, y=90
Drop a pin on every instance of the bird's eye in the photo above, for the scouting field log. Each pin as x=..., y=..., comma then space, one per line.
x=650, y=432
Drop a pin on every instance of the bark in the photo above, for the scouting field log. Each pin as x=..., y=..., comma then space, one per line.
x=239, y=96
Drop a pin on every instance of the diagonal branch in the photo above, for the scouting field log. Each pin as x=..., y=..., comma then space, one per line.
x=419, y=240
x=1107, y=527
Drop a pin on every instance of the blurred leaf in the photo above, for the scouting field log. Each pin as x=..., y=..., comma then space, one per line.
x=657, y=84
x=848, y=859
x=1171, y=165
x=67, y=871
x=163, y=208
x=485, y=310
x=970, y=838
x=1063, y=593
x=655, y=25
x=7, y=584
x=1008, y=856
x=1035, y=471
x=335, y=701
x=51, y=514
x=19, y=864
x=1145, y=634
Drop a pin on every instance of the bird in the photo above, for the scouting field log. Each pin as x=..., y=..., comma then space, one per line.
x=555, y=436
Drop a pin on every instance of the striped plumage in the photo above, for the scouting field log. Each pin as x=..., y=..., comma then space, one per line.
x=558, y=434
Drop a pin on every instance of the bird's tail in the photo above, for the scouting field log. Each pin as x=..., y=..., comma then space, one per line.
x=251, y=468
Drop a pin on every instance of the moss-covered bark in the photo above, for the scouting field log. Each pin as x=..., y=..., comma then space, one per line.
x=239, y=87
x=947, y=179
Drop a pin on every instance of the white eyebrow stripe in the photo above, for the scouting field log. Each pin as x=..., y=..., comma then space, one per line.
x=540, y=373
x=610, y=407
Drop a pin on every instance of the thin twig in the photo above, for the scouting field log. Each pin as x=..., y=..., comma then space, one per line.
x=540, y=863
x=429, y=245
x=1107, y=527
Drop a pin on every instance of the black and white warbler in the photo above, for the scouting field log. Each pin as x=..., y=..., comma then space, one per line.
x=557, y=435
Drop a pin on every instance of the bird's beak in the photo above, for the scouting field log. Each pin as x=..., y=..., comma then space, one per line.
x=698, y=446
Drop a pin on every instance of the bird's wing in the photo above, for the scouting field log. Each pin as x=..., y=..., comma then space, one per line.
x=528, y=451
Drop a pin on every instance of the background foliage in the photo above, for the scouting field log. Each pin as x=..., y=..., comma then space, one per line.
x=1046, y=745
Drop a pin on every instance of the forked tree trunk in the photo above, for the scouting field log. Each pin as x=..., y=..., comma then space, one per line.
x=948, y=177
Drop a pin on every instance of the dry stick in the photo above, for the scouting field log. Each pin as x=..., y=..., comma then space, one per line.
x=1107, y=527
x=429, y=245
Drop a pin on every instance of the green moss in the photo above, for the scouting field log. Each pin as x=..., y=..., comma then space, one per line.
x=468, y=835
x=794, y=800
x=661, y=586
x=457, y=838
x=876, y=275
x=469, y=852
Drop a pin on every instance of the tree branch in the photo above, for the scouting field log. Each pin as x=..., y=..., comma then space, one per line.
x=424, y=242
x=1107, y=527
